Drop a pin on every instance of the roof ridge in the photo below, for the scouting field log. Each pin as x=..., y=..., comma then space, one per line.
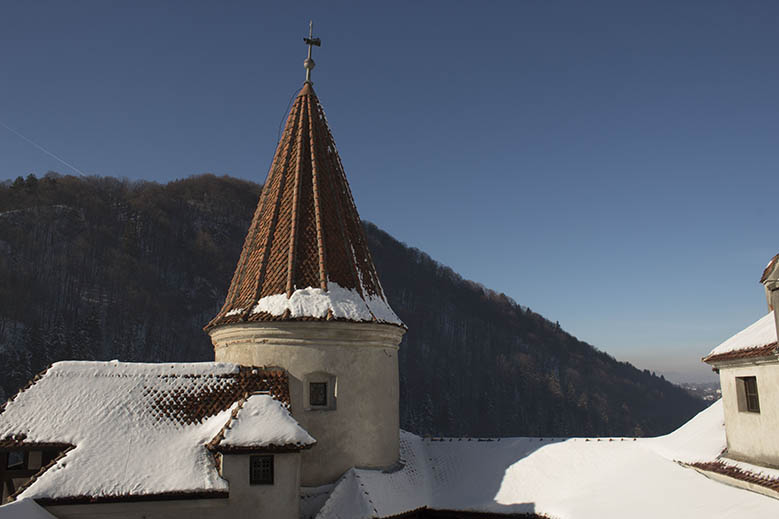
x=211, y=445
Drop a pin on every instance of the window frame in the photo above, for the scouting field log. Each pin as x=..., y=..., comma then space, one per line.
x=255, y=472
x=24, y=463
x=748, y=394
x=331, y=391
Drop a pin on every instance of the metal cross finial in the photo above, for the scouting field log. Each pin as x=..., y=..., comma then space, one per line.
x=310, y=41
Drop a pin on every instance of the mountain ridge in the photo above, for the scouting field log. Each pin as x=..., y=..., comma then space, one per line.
x=103, y=268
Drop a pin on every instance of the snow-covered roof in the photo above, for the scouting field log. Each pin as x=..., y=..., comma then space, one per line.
x=261, y=422
x=306, y=256
x=134, y=429
x=575, y=478
x=757, y=340
x=24, y=509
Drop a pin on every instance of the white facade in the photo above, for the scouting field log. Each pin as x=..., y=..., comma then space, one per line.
x=752, y=435
x=748, y=366
x=358, y=362
x=281, y=500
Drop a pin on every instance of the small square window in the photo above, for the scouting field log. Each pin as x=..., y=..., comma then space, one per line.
x=261, y=470
x=317, y=394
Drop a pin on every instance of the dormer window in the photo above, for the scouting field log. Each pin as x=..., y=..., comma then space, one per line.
x=320, y=392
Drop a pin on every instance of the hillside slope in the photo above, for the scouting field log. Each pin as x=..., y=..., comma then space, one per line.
x=98, y=268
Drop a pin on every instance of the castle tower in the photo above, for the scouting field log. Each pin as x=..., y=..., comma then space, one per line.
x=305, y=297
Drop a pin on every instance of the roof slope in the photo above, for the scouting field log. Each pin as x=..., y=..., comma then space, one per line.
x=136, y=429
x=574, y=478
x=260, y=422
x=305, y=256
x=756, y=340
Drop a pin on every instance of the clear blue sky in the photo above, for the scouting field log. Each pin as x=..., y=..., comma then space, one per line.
x=612, y=165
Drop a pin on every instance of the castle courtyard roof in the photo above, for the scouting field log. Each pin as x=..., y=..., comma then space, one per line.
x=305, y=256
x=563, y=478
x=131, y=430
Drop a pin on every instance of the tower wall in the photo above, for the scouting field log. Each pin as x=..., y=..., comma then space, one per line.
x=360, y=426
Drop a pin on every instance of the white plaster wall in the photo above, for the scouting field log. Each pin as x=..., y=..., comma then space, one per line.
x=282, y=499
x=752, y=437
x=363, y=429
x=278, y=501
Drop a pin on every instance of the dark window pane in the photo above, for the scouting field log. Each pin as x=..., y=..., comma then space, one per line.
x=16, y=460
x=317, y=395
x=261, y=470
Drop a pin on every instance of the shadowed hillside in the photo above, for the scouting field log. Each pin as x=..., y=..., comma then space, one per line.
x=98, y=268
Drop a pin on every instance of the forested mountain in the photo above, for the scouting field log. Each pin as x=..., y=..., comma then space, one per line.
x=99, y=268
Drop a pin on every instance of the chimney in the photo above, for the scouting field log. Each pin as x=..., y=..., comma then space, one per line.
x=770, y=281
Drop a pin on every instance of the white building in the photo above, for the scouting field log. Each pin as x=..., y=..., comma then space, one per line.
x=748, y=365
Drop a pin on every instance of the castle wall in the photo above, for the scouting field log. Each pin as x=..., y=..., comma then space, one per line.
x=361, y=428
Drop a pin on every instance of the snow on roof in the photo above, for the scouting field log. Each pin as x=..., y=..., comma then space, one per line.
x=135, y=429
x=575, y=478
x=258, y=422
x=342, y=303
x=758, y=339
x=24, y=509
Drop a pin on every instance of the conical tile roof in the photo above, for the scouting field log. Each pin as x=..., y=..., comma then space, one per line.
x=305, y=256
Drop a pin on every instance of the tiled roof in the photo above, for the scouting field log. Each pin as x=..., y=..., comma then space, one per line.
x=755, y=341
x=748, y=353
x=134, y=431
x=305, y=240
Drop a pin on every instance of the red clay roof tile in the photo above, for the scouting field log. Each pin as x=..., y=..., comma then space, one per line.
x=306, y=231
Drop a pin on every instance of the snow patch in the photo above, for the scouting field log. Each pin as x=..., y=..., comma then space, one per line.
x=344, y=303
x=700, y=439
